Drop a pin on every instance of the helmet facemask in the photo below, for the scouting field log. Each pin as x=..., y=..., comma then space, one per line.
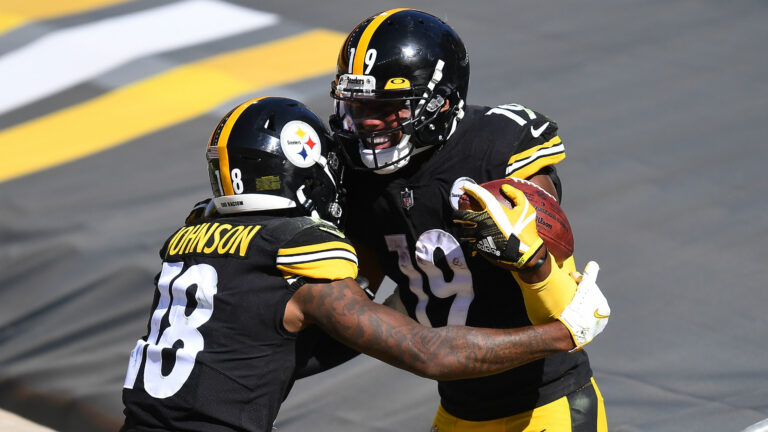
x=398, y=55
x=387, y=127
x=321, y=196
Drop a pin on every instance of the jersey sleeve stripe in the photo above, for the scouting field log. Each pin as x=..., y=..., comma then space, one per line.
x=333, y=269
x=527, y=163
x=317, y=256
x=316, y=247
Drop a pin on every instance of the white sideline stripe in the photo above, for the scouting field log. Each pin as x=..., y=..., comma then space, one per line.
x=65, y=58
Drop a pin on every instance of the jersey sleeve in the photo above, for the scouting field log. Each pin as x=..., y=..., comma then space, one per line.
x=539, y=146
x=318, y=252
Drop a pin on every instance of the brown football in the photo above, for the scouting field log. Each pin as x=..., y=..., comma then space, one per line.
x=551, y=223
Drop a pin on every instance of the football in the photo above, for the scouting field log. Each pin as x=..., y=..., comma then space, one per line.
x=551, y=223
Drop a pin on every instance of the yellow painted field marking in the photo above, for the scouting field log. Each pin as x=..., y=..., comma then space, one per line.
x=15, y=13
x=164, y=100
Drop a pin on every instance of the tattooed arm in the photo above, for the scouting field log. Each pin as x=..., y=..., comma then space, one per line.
x=446, y=353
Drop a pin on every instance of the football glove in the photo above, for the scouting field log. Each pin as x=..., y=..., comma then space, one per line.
x=508, y=235
x=587, y=314
x=201, y=211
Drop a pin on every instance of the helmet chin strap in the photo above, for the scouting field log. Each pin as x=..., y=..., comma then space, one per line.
x=457, y=118
x=303, y=201
x=394, y=157
x=389, y=159
x=406, y=159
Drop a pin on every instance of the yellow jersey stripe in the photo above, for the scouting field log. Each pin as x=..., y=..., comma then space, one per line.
x=317, y=256
x=162, y=101
x=528, y=153
x=332, y=269
x=319, y=247
x=16, y=13
x=527, y=163
x=362, y=44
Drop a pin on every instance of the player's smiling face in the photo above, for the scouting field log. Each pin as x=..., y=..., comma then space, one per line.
x=374, y=116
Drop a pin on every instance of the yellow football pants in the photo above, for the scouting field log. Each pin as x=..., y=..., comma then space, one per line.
x=581, y=411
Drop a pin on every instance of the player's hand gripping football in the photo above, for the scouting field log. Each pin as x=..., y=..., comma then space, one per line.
x=587, y=314
x=507, y=235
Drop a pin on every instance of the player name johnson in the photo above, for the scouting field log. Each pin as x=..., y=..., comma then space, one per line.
x=212, y=239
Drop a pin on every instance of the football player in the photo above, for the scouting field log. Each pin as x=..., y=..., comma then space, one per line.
x=401, y=117
x=239, y=287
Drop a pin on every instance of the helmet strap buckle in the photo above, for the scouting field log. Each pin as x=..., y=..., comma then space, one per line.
x=435, y=103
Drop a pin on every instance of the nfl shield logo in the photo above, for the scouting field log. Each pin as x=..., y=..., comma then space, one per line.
x=406, y=195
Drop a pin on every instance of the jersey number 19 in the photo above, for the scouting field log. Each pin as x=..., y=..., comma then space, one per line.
x=440, y=284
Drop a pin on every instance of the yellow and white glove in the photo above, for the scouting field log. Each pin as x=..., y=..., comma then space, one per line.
x=508, y=235
x=587, y=314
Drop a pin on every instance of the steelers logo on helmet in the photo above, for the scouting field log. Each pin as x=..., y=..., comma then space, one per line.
x=300, y=143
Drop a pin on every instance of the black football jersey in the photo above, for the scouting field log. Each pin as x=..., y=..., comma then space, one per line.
x=406, y=217
x=216, y=356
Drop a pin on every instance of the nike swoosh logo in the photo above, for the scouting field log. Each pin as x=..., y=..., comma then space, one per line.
x=537, y=132
x=599, y=315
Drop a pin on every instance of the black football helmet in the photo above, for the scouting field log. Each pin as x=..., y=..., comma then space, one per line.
x=273, y=153
x=401, y=61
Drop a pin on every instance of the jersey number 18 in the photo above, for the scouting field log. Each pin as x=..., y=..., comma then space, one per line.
x=164, y=377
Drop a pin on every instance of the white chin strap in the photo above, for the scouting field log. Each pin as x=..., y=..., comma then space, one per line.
x=386, y=157
x=392, y=158
x=401, y=153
